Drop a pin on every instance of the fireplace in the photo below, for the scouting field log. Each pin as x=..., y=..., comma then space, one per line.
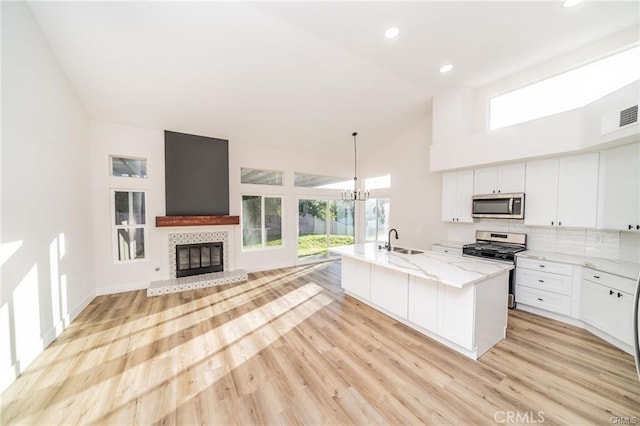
x=200, y=258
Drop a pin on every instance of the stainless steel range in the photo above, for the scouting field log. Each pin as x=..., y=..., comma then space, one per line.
x=499, y=247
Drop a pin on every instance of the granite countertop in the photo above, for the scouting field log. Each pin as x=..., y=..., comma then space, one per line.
x=455, y=271
x=617, y=267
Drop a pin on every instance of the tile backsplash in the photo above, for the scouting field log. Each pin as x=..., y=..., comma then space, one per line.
x=576, y=241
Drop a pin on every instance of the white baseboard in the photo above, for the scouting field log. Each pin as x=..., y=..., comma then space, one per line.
x=122, y=288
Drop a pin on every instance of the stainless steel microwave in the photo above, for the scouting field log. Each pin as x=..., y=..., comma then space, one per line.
x=498, y=206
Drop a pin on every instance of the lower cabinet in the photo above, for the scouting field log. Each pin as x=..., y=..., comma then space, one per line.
x=423, y=303
x=469, y=320
x=356, y=277
x=545, y=285
x=456, y=313
x=389, y=290
x=444, y=249
x=606, y=304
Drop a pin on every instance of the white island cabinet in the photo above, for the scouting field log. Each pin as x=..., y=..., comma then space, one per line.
x=458, y=301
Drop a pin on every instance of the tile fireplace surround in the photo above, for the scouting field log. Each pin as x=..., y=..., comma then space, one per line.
x=174, y=285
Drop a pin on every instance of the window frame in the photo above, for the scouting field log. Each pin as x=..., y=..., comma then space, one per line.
x=364, y=227
x=115, y=228
x=263, y=245
x=128, y=157
x=282, y=176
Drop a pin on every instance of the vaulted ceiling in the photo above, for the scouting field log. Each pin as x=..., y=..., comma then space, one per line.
x=303, y=75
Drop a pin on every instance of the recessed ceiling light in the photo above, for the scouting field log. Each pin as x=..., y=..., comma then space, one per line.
x=446, y=68
x=392, y=32
x=571, y=3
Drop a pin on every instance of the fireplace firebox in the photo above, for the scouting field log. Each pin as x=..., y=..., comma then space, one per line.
x=195, y=259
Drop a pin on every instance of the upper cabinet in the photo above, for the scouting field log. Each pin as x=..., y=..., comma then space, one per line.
x=562, y=191
x=619, y=203
x=499, y=179
x=457, y=190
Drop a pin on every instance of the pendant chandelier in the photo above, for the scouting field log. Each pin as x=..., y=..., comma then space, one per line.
x=357, y=194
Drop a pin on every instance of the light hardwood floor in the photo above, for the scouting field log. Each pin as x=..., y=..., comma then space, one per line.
x=287, y=347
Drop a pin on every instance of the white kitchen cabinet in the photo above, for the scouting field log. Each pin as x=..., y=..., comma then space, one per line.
x=562, y=191
x=607, y=305
x=389, y=290
x=423, y=303
x=356, y=277
x=501, y=179
x=448, y=250
x=457, y=190
x=456, y=314
x=545, y=285
x=619, y=204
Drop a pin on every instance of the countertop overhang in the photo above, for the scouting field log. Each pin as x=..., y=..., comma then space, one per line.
x=451, y=270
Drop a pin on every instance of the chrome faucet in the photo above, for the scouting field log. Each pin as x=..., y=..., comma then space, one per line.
x=389, y=240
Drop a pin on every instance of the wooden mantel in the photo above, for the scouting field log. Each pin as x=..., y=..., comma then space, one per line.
x=163, y=221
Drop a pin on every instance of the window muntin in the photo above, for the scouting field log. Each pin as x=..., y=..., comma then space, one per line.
x=128, y=167
x=129, y=225
x=261, y=221
x=566, y=91
x=261, y=177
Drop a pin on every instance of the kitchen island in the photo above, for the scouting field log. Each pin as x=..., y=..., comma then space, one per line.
x=458, y=301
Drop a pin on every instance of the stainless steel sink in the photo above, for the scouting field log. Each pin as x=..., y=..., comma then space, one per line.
x=405, y=250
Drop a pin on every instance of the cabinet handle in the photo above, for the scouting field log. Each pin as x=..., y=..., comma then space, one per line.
x=638, y=227
x=610, y=292
x=498, y=191
x=540, y=299
x=493, y=192
x=542, y=266
x=619, y=294
x=559, y=223
x=540, y=281
x=552, y=222
x=596, y=276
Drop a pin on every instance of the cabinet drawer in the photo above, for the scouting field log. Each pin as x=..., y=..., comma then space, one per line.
x=448, y=250
x=543, y=265
x=538, y=280
x=614, y=281
x=548, y=301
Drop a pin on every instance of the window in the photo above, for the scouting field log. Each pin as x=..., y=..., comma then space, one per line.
x=570, y=90
x=379, y=182
x=324, y=182
x=128, y=167
x=260, y=177
x=376, y=219
x=129, y=219
x=261, y=221
x=323, y=224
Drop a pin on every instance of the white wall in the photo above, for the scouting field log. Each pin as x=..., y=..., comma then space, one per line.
x=115, y=139
x=416, y=193
x=461, y=117
x=46, y=234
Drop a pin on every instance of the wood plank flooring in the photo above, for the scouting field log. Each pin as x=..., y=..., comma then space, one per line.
x=287, y=347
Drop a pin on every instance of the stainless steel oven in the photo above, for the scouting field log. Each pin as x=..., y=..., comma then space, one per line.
x=498, y=247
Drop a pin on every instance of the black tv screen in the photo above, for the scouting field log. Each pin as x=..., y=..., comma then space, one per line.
x=196, y=170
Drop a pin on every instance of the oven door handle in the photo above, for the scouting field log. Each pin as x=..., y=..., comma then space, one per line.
x=511, y=205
